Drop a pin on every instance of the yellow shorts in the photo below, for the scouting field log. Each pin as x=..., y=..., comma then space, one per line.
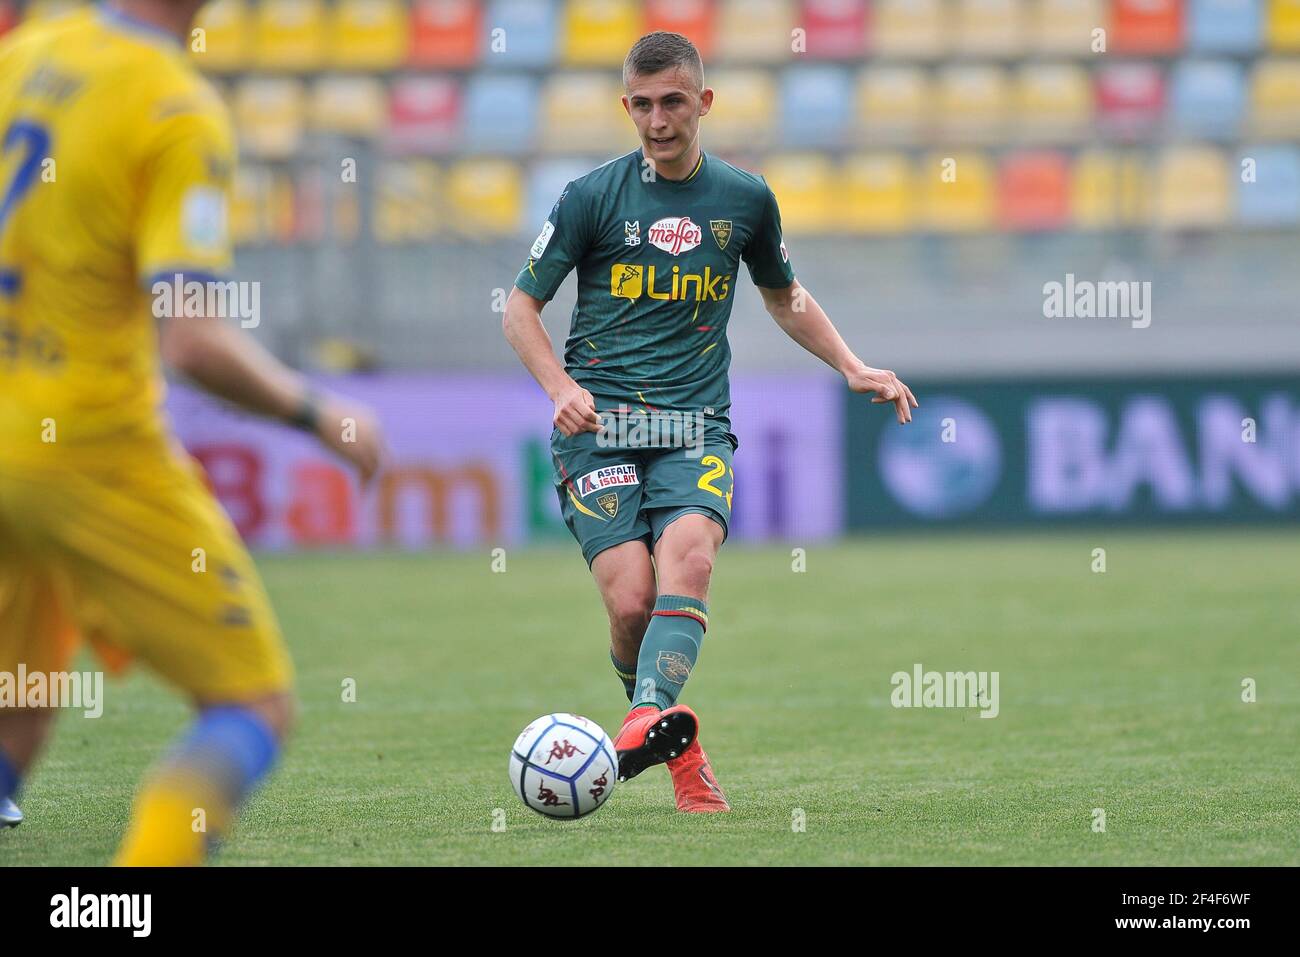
x=139, y=560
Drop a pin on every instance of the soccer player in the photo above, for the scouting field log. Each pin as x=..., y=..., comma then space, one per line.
x=657, y=237
x=116, y=169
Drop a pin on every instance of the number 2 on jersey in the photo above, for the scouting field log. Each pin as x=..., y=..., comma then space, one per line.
x=35, y=140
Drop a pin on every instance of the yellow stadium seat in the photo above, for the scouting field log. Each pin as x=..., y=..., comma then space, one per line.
x=598, y=32
x=367, y=34
x=581, y=111
x=957, y=192
x=485, y=197
x=348, y=105
x=909, y=29
x=804, y=187
x=1275, y=98
x=223, y=46
x=1064, y=26
x=744, y=112
x=269, y=116
x=250, y=205
x=289, y=35
x=1109, y=190
x=406, y=202
x=1193, y=190
x=972, y=103
x=1282, y=25
x=989, y=27
x=877, y=195
x=755, y=31
x=1052, y=102
x=894, y=104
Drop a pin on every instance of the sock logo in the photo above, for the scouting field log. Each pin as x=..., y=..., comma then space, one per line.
x=674, y=666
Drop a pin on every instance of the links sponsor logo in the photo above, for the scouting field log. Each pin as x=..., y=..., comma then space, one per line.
x=633, y=280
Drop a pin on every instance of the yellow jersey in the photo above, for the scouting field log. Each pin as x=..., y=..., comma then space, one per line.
x=116, y=162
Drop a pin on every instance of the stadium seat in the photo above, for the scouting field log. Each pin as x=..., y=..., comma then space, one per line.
x=598, y=32
x=693, y=19
x=804, y=184
x=500, y=112
x=250, y=204
x=581, y=111
x=962, y=204
x=445, y=33
x=1223, y=26
x=908, y=29
x=368, y=34
x=972, y=103
x=893, y=104
x=1273, y=197
x=815, y=106
x=835, y=29
x=546, y=181
x=742, y=114
x=518, y=33
x=755, y=31
x=876, y=195
x=1275, y=98
x=1034, y=191
x=289, y=35
x=225, y=25
x=269, y=114
x=989, y=28
x=1192, y=188
x=1052, y=102
x=424, y=114
x=1130, y=98
x=1109, y=190
x=484, y=198
x=1207, y=97
x=1146, y=26
x=1064, y=27
x=407, y=201
x=349, y=106
x=1282, y=27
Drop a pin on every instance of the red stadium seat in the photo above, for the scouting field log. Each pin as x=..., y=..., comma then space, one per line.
x=1130, y=98
x=1034, y=191
x=837, y=29
x=1146, y=26
x=424, y=114
x=693, y=19
x=445, y=33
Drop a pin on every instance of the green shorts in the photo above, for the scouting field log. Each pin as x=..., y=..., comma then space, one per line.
x=616, y=494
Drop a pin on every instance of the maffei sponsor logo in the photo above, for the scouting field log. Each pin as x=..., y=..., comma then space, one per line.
x=675, y=234
x=607, y=477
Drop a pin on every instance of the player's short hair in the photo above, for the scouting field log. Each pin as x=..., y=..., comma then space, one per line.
x=659, y=51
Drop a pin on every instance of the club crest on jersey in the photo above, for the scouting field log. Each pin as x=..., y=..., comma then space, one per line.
x=608, y=477
x=675, y=234
x=632, y=233
x=609, y=502
x=721, y=231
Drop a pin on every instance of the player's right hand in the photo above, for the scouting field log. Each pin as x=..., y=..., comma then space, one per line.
x=575, y=411
x=352, y=431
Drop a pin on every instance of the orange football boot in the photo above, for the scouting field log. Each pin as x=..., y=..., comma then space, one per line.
x=696, y=788
x=650, y=736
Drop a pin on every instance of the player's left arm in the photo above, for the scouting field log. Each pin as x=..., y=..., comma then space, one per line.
x=804, y=321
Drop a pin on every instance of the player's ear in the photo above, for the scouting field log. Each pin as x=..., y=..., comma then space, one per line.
x=706, y=100
x=627, y=104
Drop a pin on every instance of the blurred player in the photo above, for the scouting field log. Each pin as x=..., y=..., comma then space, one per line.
x=657, y=237
x=115, y=172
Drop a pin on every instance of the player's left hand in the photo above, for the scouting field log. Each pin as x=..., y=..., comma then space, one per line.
x=888, y=388
x=353, y=432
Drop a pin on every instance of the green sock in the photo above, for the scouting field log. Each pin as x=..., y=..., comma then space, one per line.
x=669, y=650
x=626, y=674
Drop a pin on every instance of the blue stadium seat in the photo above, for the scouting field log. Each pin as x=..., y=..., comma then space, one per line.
x=546, y=181
x=1207, y=98
x=500, y=112
x=1223, y=26
x=529, y=33
x=816, y=102
x=1273, y=199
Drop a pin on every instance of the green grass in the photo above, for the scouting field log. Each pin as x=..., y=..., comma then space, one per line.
x=1119, y=691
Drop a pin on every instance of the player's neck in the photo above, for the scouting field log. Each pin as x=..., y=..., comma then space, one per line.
x=680, y=169
x=169, y=17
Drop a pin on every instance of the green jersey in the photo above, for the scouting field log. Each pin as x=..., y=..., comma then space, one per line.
x=657, y=265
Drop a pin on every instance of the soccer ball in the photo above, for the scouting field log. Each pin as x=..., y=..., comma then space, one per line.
x=563, y=765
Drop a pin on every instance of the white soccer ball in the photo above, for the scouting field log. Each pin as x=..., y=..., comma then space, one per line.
x=563, y=765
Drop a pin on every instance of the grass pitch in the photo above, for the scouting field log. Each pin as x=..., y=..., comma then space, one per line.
x=1120, y=691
